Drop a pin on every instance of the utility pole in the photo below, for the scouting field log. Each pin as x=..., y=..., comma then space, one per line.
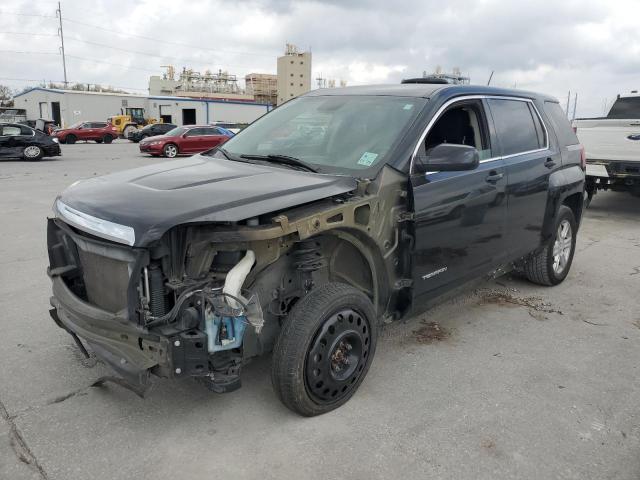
x=575, y=104
x=568, y=100
x=64, y=60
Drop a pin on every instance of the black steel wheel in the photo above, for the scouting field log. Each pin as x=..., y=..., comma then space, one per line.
x=337, y=355
x=325, y=349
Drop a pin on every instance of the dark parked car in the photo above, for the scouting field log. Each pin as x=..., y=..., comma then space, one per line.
x=336, y=212
x=21, y=141
x=185, y=140
x=150, y=131
x=98, y=132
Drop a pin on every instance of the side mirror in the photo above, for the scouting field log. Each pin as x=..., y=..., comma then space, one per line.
x=449, y=157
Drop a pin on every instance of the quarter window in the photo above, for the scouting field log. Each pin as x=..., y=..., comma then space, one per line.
x=561, y=125
x=518, y=126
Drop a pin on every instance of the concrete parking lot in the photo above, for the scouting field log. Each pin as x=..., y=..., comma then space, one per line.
x=509, y=380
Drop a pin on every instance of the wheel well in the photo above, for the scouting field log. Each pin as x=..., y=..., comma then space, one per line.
x=575, y=202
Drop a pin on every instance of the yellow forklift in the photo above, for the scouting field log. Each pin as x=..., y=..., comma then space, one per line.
x=129, y=120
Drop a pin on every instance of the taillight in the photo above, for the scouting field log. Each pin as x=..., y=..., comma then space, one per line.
x=583, y=158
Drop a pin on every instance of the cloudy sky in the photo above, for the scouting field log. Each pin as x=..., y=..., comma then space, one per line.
x=591, y=47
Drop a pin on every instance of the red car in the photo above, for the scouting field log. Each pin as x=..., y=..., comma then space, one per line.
x=189, y=139
x=97, y=131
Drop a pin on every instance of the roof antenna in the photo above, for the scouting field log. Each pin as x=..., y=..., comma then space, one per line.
x=490, y=77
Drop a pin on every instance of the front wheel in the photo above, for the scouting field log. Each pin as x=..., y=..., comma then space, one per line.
x=107, y=139
x=71, y=139
x=170, y=150
x=129, y=129
x=32, y=153
x=551, y=265
x=324, y=350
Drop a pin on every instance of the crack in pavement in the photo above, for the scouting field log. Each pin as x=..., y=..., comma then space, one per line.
x=53, y=401
x=19, y=445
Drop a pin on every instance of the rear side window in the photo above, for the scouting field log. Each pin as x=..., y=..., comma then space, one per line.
x=10, y=130
x=562, y=127
x=99, y=125
x=625, y=107
x=518, y=126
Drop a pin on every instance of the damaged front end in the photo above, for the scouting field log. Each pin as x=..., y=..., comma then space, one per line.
x=142, y=311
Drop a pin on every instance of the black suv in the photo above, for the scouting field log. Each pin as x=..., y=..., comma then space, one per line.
x=304, y=233
x=150, y=131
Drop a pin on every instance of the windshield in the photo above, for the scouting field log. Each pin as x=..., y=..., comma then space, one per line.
x=76, y=125
x=176, y=132
x=332, y=133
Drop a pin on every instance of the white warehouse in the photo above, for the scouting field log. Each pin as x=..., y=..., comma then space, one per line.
x=66, y=107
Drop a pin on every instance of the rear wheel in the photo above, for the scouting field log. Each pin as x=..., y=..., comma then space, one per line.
x=551, y=265
x=71, y=139
x=170, y=150
x=32, y=153
x=107, y=139
x=324, y=350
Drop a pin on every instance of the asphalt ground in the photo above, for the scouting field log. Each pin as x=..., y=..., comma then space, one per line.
x=509, y=380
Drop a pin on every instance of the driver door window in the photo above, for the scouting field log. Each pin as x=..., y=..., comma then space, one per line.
x=462, y=124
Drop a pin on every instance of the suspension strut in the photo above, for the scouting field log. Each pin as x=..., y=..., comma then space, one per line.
x=308, y=258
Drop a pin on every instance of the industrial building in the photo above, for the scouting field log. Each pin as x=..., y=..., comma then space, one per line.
x=193, y=84
x=263, y=87
x=294, y=73
x=67, y=107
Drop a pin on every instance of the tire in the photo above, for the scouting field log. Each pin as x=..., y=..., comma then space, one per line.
x=107, y=139
x=127, y=130
x=551, y=265
x=334, y=318
x=32, y=153
x=170, y=150
x=70, y=139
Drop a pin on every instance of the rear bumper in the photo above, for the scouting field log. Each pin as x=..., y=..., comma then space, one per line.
x=613, y=174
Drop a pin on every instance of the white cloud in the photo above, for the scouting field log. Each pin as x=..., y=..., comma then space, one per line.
x=587, y=46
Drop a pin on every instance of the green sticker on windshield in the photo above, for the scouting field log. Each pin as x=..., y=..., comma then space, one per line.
x=367, y=159
x=408, y=106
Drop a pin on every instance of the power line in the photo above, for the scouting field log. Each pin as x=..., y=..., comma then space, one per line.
x=128, y=67
x=147, y=54
x=29, y=53
x=167, y=42
x=30, y=34
x=18, y=14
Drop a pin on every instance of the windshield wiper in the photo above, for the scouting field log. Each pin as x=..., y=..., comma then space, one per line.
x=282, y=159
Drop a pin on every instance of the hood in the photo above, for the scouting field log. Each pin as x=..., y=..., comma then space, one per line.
x=155, y=198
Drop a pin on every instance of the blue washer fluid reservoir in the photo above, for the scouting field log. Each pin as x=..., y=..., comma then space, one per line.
x=224, y=333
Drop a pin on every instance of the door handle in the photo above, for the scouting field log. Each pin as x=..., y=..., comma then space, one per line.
x=549, y=163
x=494, y=176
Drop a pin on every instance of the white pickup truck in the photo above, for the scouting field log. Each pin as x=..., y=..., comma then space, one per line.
x=612, y=147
